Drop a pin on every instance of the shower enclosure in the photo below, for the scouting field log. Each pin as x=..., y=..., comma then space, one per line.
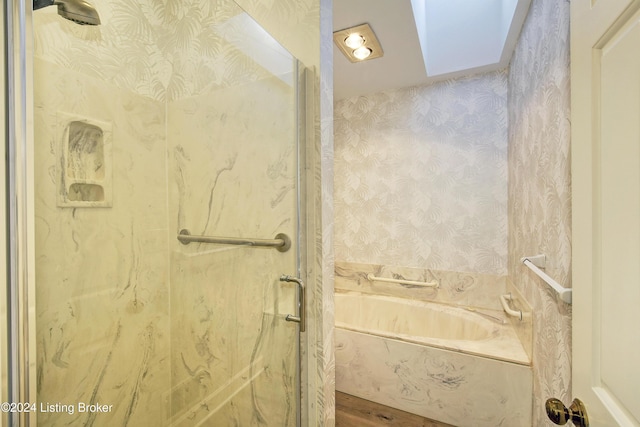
x=162, y=196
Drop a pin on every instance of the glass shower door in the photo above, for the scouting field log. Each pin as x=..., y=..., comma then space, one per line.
x=168, y=118
x=233, y=162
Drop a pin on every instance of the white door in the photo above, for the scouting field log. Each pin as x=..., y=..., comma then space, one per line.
x=605, y=87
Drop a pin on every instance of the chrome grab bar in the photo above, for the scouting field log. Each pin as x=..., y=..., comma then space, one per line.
x=281, y=242
x=302, y=302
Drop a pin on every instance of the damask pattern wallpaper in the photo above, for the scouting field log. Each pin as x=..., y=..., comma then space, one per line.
x=540, y=190
x=421, y=176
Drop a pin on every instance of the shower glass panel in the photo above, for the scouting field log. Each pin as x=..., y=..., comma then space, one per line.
x=168, y=116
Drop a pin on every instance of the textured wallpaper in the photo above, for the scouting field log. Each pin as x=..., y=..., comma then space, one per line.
x=164, y=50
x=421, y=176
x=540, y=189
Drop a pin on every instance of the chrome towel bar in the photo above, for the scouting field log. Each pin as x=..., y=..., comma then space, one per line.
x=281, y=242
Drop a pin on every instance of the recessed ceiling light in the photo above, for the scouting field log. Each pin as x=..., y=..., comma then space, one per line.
x=354, y=40
x=362, y=52
x=358, y=43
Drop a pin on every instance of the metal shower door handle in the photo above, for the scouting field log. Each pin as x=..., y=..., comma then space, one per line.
x=302, y=301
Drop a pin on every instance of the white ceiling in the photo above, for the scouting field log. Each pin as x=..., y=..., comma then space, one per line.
x=402, y=64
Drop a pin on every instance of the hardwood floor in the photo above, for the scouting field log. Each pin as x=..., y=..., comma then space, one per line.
x=352, y=411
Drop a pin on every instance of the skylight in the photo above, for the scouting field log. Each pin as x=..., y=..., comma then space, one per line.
x=460, y=35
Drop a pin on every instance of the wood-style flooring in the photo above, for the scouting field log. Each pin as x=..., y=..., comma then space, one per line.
x=352, y=411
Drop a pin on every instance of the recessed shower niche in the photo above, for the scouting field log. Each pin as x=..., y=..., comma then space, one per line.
x=84, y=162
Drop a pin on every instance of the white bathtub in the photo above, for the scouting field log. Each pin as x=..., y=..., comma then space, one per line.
x=442, y=362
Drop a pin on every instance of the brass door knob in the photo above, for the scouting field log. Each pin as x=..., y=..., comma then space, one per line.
x=560, y=414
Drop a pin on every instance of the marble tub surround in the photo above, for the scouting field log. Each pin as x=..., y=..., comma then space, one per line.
x=471, y=291
x=460, y=288
x=447, y=386
x=472, y=370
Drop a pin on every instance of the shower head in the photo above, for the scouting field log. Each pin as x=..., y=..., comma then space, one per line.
x=78, y=11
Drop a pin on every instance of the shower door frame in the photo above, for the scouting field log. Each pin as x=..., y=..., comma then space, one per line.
x=18, y=333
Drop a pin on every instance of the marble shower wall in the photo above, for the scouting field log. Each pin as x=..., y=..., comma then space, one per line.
x=102, y=287
x=102, y=291
x=421, y=176
x=540, y=190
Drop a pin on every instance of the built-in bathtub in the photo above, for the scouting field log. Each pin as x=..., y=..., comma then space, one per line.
x=440, y=361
